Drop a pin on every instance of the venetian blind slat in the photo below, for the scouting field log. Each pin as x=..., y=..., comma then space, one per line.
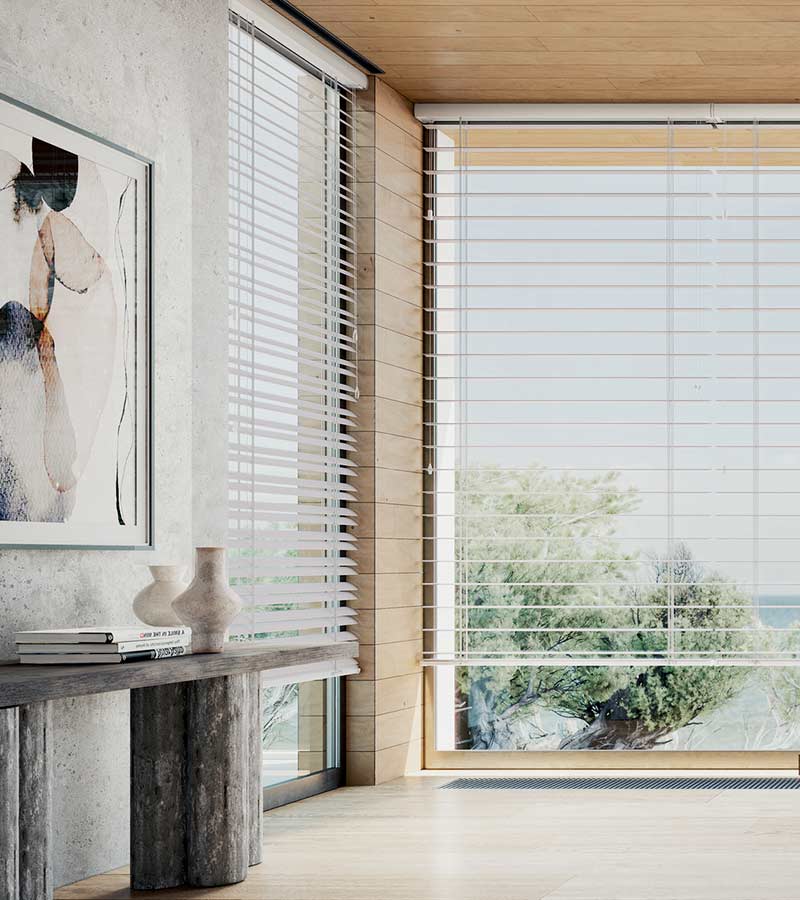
x=291, y=337
x=612, y=429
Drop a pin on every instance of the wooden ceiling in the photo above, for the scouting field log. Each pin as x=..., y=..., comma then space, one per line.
x=578, y=51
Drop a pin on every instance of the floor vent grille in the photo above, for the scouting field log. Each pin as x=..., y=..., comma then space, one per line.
x=683, y=783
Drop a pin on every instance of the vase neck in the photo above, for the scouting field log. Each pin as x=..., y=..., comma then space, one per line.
x=210, y=562
x=167, y=573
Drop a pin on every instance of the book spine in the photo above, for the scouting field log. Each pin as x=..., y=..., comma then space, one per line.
x=117, y=636
x=157, y=653
x=122, y=647
x=152, y=644
x=154, y=634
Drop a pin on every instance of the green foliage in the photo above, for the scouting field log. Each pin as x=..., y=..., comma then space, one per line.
x=543, y=574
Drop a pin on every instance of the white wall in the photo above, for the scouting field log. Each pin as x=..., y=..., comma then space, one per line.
x=149, y=75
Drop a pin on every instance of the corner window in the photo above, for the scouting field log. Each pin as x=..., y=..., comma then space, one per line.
x=612, y=435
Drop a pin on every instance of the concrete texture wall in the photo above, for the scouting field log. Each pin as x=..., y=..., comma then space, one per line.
x=149, y=75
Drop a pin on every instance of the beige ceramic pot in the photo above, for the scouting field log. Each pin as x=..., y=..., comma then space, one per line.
x=153, y=604
x=208, y=605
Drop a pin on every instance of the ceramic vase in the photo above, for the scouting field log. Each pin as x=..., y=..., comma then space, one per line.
x=208, y=605
x=153, y=604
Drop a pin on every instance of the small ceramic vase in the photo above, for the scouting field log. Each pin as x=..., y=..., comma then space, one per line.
x=208, y=605
x=153, y=604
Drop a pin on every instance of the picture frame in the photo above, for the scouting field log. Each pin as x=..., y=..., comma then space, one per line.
x=76, y=296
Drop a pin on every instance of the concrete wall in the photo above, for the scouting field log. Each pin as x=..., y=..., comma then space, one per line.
x=384, y=702
x=149, y=75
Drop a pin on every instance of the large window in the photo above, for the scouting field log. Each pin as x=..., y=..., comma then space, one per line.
x=291, y=379
x=612, y=435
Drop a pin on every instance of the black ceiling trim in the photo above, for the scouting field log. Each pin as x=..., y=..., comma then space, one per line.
x=328, y=36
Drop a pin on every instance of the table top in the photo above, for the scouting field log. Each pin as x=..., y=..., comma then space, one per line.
x=21, y=684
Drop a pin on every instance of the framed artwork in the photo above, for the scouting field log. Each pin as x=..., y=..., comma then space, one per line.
x=75, y=321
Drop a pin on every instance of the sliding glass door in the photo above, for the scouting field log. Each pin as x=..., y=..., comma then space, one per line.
x=300, y=738
x=612, y=437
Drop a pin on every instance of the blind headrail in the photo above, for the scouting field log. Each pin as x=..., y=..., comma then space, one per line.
x=586, y=113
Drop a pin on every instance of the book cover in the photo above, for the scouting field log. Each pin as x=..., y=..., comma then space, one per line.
x=100, y=634
x=119, y=647
x=59, y=659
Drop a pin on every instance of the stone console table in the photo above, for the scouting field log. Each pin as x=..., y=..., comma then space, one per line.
x=195, y=763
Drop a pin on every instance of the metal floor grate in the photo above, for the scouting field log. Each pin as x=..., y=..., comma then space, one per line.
x=611, y=783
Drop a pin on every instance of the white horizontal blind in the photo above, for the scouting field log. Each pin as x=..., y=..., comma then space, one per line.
x=613, y=393
x=292, y=370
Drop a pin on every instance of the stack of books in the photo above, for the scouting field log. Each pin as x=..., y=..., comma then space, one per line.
x=101, y=644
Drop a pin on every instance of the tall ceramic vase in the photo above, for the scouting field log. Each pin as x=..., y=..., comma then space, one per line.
x=208, y=605
x=153, y=604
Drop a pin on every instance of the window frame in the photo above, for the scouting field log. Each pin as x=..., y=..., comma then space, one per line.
x=435, y=679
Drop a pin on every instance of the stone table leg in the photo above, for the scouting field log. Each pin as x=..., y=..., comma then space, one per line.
x=9, y=803
x=217, y=781
x=254, y=792
x=158, y=786
x=35, y=801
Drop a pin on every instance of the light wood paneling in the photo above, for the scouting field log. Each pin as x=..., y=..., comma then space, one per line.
x=390, y=312
x=398, y=142
x=385, y=520
x=401, y=454
x=383, y=734
x=394, y=349
x=391, y=105
x=403, y=522
x=394, y=383
x=398, y=658
x=394, y=417
x=389, y=417
x=401, y=246
x=394, y=762
x=398, y=212
x=401, y=624
x=391, y=591
x=398, y=281
x=403, y=692
x=645, y=145
x=389, y=382
x=580, y=51
x=394, y=728
x=388, y=452
x=361, y=766
x=360, y=734
x=396, y=556
x=360, y=698
x=392, y=486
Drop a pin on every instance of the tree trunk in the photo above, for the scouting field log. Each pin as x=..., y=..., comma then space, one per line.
x=507, y=731
x=482, y=724
x=614, y=734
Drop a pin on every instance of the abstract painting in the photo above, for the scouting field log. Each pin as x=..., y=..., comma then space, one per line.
x=74, y=337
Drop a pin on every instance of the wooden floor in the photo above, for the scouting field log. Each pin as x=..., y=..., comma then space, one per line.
x=407, y=840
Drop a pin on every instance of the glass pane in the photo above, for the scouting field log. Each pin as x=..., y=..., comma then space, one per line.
x=298, y=722
x=596, y=708
x=613, y=439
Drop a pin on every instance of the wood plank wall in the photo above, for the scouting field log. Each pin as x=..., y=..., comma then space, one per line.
x=384, y=702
